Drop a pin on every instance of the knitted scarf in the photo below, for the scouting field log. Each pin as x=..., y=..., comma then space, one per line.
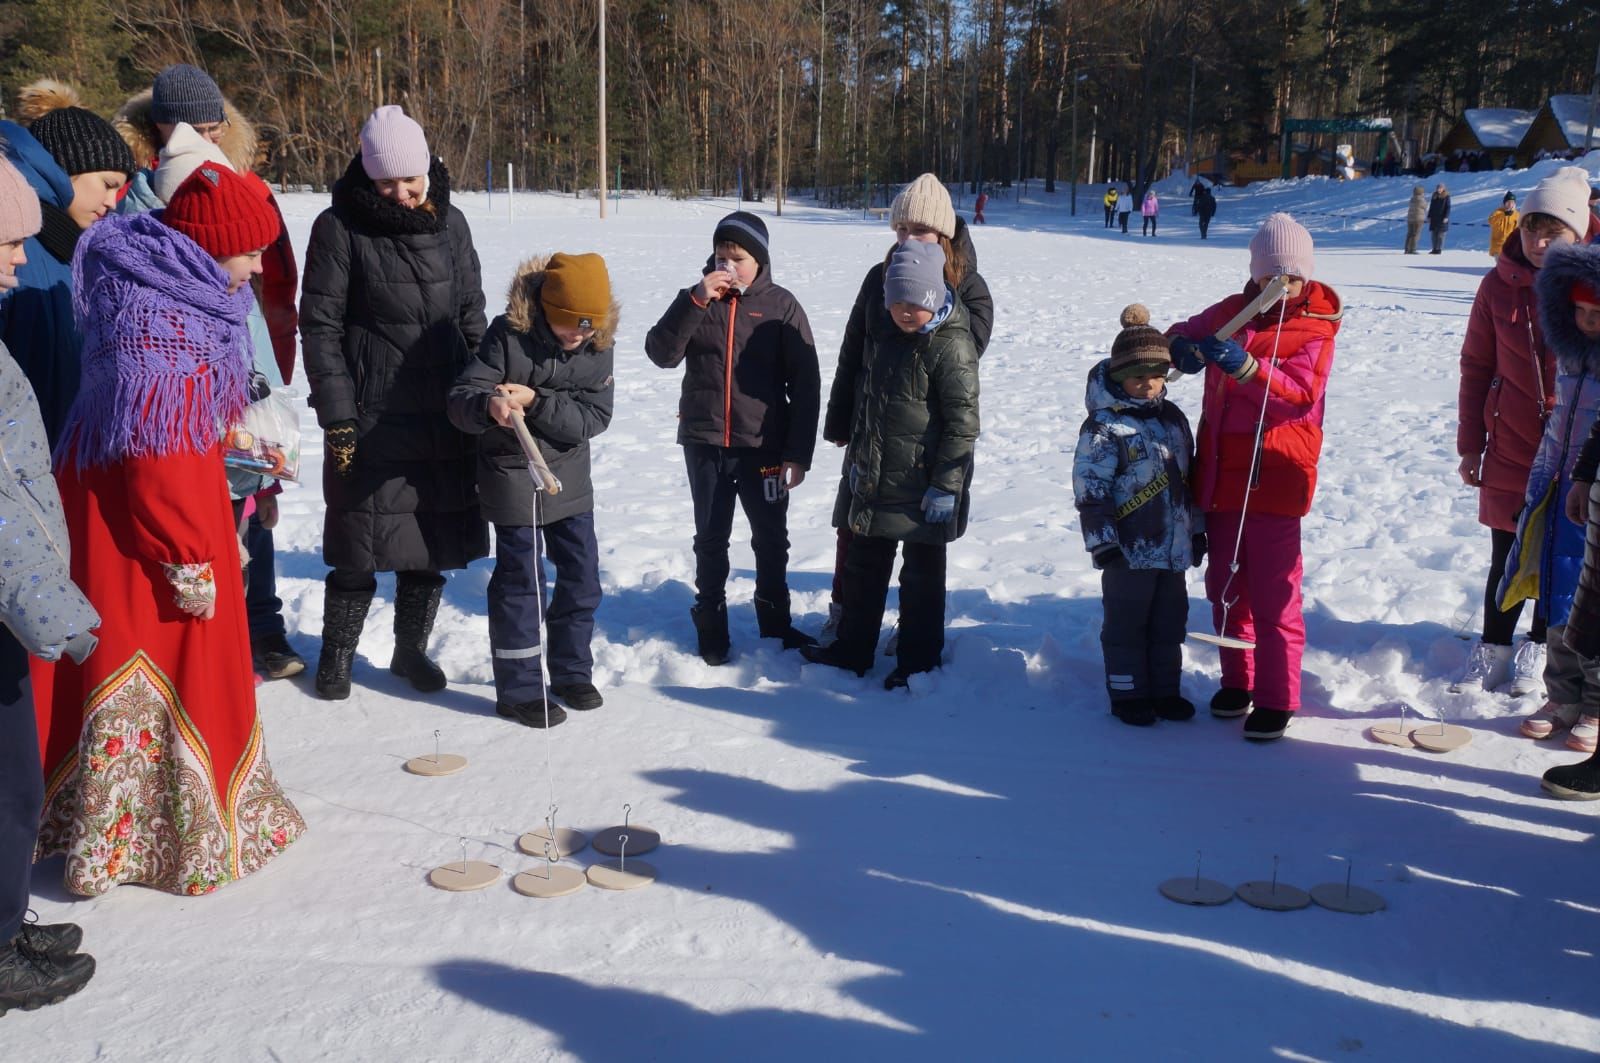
x=166, y=349
x=356, y=198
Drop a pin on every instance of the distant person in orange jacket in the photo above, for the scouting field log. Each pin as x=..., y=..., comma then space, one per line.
x=1502, y=223
x=977, y=208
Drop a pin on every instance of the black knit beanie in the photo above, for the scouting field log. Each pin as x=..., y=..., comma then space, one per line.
x=746, y=230
x=82, y=142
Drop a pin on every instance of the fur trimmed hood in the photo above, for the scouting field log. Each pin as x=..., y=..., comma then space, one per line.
x=240, y=143
x=1575, y=352
x=524, y=312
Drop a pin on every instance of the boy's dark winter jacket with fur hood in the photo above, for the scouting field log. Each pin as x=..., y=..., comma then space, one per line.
x=390, y=312
x=575, y=390
x=916, y=425
x=751, y=378
x=1130, y=477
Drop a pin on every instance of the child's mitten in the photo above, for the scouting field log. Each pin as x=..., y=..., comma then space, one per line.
x=1186, y=355
x=1229, y=357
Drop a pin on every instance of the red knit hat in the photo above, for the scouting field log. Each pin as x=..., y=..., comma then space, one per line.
x=1584, y=292
x=224, y=213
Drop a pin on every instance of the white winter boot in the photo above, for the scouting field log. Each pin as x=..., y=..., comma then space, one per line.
x=1527, y=669
x=1488, y=666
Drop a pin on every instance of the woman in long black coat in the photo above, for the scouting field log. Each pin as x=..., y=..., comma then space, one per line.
x=391, y=309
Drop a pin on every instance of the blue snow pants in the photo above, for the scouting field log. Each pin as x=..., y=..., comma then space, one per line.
x=515, y=592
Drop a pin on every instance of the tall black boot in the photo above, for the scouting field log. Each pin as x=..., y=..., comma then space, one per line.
x=774, y=621
x=1575, y=782
x=416, y=602
x=711, y=630
x=344, y=612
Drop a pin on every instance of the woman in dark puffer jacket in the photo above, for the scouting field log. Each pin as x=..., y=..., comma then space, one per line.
x=391, y=309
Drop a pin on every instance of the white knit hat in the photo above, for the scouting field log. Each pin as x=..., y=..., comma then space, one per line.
x=1564, y=195
x=393, y=146
x=185, y=152
x=925, y=201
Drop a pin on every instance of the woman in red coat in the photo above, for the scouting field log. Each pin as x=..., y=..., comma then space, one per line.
x=1507, y=391
x=154, y=767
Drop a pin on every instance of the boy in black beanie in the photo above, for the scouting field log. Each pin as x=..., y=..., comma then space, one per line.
x=747, y=421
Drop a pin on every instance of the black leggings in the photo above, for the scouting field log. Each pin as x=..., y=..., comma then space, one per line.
x=1500, y=626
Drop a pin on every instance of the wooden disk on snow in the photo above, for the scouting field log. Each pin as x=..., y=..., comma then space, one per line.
x=1441, y=738
x=443, y=764
x=1273, y=898
x=459, y=877
x=641, y=840
x=1392, y=734
x=1205, y=892
x=567, y=841
x=559, y=882
x=611, y=876
x=1338, y=897
x=1227, y=642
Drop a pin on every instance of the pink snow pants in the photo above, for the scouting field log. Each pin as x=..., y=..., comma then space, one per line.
x=1265, y=609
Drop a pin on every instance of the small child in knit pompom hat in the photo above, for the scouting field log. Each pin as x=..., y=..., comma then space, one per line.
x=1129, y=481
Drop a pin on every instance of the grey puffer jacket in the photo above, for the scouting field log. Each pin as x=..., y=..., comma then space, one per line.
x=39, y=603
x=1130, y=477
x=915, y=412
x=575, y=390
x=391, y=308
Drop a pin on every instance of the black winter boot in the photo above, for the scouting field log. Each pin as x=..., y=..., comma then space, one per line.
x=1230, y=702
x=416, y=603
x=711, y=629
x=30, y=979
x=1575, y=782
x=1139, y=712
x=344, y=613
x=835, y=655
x=1264, y=725
x=1173, y=707
x=775, y=622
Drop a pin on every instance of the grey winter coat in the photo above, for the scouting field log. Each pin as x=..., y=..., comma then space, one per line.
x=575, y=390
x=915, y=409
x=39, y=603
x=1130, y=477
x=751, y=378
x=391, y=308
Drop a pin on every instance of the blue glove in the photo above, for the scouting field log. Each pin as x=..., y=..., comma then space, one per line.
x=1226, y=355
x=855, y=475
x=1186, y=355
x=938, y=506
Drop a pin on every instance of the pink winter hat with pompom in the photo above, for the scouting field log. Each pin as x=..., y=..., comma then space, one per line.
x=1281, y=248
x=19, y=205
x=393, y=146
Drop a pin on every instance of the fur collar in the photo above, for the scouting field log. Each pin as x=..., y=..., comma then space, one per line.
x=240, y=142
x=525, y=314
x=355, y=197
x=1575, y=352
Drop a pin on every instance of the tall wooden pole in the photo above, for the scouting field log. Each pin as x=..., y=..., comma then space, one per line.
x=778, y=197
x=602, y=108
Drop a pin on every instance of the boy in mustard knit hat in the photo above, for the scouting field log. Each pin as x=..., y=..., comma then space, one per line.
x=546, y=360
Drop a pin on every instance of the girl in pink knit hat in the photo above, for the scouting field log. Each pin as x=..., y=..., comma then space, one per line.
x=1267, y=381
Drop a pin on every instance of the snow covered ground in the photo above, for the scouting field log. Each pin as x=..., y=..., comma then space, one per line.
x=965, y=872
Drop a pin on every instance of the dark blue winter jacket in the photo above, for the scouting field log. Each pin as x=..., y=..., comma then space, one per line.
x=1130, y=477
x=1549, y=547
x=36, y=322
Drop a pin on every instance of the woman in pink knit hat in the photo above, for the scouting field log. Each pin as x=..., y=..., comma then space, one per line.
x=1270, y=379
x=391, y=308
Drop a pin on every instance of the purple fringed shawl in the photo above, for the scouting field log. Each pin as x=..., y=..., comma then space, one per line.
x=166, y=349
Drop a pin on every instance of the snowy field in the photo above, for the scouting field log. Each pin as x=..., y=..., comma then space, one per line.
x=967, y=872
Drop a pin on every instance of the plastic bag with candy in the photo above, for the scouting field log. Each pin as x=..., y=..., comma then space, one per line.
x=266, y=438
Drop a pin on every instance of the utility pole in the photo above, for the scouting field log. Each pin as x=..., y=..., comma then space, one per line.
x=602, y=108
x=778, y=193
x=1075, y=81
x=1594, y=98
x=1194, y=66
x=822, y=51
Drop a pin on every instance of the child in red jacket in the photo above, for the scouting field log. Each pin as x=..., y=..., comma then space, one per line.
x=1272, y=374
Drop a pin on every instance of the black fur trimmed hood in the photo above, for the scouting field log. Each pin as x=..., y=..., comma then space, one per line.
x=1575, y=352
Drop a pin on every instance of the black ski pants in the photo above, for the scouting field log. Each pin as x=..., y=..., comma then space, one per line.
x=1124, y=214
x=718, y=478
x=868, y=565
x=1146, y=619
x=21, y=785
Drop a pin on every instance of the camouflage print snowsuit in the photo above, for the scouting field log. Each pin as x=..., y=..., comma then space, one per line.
x=1129, y=479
